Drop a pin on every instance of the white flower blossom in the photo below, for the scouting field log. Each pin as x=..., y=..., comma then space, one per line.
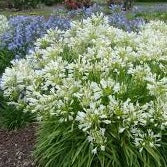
x=102, y=79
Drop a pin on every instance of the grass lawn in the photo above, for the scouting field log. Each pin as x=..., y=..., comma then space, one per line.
x=152, y=11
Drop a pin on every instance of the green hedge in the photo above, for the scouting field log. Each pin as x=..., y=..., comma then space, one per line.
x=51, y=2
x=151, y=0
x=5, y=58
x=26, y=4
x=12, y=118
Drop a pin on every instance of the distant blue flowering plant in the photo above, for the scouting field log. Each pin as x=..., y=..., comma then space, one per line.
x=25, y=30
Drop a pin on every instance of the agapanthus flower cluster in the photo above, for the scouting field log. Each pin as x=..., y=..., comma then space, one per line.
x=85, y=11
x=117, y=17
x=120, y=20
x=109, y=83
x=25, y=30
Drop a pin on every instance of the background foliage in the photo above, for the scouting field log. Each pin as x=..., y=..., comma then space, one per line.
x=151, y=0
x=51, y=2
x=24, y=4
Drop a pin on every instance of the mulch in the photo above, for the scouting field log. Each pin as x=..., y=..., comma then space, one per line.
x=16, y=147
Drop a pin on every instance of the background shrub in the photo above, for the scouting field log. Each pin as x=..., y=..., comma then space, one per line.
x=151, y=0
x=51, y=2
x=4, y=4
x=25, y=4
x=10, y=116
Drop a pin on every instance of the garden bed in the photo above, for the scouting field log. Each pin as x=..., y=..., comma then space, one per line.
x=16, y=147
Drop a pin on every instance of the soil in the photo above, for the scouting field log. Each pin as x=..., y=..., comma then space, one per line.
x=16, y=147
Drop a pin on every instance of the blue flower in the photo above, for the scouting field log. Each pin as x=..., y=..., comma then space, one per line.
x=25, y=30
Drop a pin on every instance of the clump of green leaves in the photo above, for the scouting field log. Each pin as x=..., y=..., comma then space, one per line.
x=12, y=118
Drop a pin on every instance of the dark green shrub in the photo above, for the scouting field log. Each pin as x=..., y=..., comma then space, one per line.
x=3, y=4
x=25, y=4
x=5, y=57
x=51, y=2
x=153, y=16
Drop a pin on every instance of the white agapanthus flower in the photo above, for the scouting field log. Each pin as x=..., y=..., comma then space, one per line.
x=106, y=81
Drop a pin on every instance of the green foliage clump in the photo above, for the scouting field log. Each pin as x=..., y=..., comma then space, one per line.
x=25, y=4
x=6, y=57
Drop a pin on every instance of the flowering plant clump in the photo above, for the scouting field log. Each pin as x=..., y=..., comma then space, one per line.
x=25, y=30
x=120, y=20
x=116, y=16
x=100, y=92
